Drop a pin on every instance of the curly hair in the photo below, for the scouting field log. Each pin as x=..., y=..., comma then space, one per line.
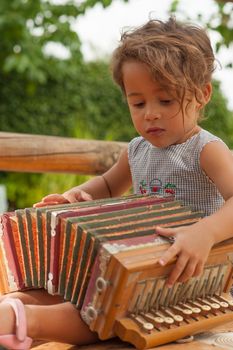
x=179, y=56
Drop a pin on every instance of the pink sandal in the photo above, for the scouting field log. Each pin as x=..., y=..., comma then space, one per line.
x=20, y=341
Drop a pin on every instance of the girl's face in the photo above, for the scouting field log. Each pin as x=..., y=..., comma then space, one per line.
x=156, y=114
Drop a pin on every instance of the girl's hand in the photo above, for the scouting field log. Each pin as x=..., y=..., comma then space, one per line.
x=71, y=196
x=191, y=247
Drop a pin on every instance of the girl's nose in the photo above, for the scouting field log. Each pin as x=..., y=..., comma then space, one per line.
x=152, y=115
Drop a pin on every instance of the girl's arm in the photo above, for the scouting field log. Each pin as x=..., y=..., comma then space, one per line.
x=193, y=243
x=112, y=183
x=217, y=162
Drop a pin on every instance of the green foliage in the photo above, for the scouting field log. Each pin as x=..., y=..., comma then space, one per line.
x=220, y=21
x=84, y=104
x=36, y=109
x=23, y=190
x=103, y=114
x=32, y=84
x=219, y=119
x=26, y=27
x=40, y=93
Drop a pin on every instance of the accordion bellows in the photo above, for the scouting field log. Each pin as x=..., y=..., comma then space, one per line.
x=103, y=257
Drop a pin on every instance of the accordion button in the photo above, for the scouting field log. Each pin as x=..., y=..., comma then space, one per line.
x=101, y=284
x=147, y=326
x=168, y=320
x=158, y=319
x=206, y=307
x=178, y=318
x=223, y=304
x=91, y=313
x=187, y=312
x=196, y=310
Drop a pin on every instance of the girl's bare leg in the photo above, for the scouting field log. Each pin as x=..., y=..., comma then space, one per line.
x=61, y=323
x=34, y=297
x=47, y=319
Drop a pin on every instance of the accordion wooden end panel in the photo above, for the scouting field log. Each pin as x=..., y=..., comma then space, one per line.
x=102, y=256
x=131, y=299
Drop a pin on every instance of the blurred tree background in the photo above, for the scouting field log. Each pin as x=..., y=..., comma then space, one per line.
x=44, y=94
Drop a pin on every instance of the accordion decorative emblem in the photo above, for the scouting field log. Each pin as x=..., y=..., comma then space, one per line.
x=103, y=257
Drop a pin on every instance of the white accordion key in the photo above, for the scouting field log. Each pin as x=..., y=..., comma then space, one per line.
x=186, y=312
x=146, y=326
x=155, y=320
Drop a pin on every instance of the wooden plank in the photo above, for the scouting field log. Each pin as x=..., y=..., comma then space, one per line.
x=116, y=344
x=39, y=153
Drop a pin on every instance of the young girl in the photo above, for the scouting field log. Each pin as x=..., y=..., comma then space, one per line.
x=164, y=70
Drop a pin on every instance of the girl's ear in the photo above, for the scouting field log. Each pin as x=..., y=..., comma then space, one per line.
x=207, y=92
x=204, y=96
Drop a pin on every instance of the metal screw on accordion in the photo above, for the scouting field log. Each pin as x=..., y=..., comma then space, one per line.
x=91, y=313
x=101, y=284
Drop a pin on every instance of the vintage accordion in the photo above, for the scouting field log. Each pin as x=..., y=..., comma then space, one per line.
x=103, y=257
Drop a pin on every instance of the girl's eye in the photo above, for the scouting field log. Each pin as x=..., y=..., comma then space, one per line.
x=166, y=102
x=139, y=105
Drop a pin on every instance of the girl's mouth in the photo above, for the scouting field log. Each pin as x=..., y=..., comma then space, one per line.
x=155, y=131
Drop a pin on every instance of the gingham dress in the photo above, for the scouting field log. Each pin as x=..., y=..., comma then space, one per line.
x=175, y=170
